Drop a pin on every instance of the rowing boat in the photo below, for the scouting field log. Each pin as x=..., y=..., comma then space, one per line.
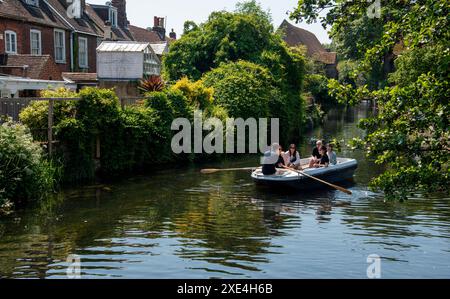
x=343, y=170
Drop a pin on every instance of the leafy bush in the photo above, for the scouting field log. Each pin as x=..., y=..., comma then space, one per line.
x=347, y=70
x=25, y=174
x=35, y=116
x=243, y=88
x=317, y=85
x=198, y=96
x=246, y=34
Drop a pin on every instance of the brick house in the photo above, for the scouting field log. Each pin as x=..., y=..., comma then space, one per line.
x=29, y=27
x=40, y=67
x=66, y=33
x=43, y=27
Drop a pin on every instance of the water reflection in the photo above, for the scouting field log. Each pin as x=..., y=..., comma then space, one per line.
x=179, y=224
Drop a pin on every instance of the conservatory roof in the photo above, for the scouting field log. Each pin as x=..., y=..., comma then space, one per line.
x=159, y=48
x=123, y=46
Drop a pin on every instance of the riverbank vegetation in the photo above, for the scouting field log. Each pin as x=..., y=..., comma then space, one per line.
x=25, y=173
x=396, y=55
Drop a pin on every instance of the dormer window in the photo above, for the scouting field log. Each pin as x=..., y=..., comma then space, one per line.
x=33, y=2
x=113, y=16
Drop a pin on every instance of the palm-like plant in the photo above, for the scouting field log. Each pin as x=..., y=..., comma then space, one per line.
x=151, y=83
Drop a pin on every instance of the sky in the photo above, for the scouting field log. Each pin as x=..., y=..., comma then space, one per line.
x=141, y=12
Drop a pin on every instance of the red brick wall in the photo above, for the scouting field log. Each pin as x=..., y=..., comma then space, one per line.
x=50, y=71
x=22, y=29
x=92, y=54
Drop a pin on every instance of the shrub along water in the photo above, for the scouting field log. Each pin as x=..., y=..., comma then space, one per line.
x=97, y=136
x=25, y=174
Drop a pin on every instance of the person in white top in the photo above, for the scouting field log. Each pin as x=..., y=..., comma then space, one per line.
x=292, y=158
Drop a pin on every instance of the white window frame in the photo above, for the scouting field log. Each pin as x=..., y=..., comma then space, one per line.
x=10, y=44
x=38, y=32
x=59, y=31
x=80, y=64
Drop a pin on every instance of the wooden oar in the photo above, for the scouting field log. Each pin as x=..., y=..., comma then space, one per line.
x=213, y=170
x=319, y=180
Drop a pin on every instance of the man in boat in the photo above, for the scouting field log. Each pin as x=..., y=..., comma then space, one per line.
x=316, y=156
x=324, y=160
x=272, y=160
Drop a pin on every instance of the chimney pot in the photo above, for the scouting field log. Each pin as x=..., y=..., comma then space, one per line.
x=172, y=34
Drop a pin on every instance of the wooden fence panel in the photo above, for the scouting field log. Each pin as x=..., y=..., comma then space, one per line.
x=12, y=107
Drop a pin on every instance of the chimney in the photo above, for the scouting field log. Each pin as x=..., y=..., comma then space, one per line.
x=159, y=27
x=172, y=34
x=121, y=6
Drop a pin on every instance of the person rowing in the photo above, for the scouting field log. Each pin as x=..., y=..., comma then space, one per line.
x=272, y=160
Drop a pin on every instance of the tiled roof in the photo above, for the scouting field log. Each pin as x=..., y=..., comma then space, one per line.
x=143, y=35
x=39, y=67
x=98, y=13
x=80, y=77
x=85, y=24
x=295, y=36
x=326, y=57
x=18, y=10
x=122, y=34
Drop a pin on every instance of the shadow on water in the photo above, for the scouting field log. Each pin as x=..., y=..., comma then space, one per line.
x=180, y=224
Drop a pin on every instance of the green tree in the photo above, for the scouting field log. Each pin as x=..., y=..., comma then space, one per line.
x=410, y=134
x=243, y=88
x=246, y=34
x=243, y=40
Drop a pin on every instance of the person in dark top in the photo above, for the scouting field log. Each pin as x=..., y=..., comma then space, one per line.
x=316, y=156
x=281, y=162
x=324, y=160
x=273, y=159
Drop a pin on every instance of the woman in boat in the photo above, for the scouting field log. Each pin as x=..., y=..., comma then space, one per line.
x=316, y=156
x=331, y=154
x=324, y=160
x=293, y=158
x=272, y=160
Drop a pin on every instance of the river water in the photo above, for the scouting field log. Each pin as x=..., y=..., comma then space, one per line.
x=180, y=224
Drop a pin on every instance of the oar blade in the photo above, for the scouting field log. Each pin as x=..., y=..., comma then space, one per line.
x=345, y=191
